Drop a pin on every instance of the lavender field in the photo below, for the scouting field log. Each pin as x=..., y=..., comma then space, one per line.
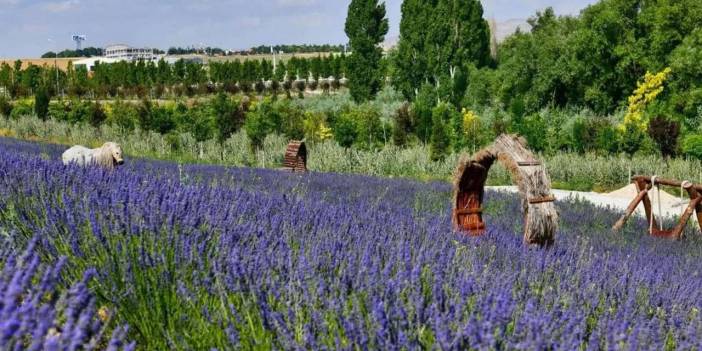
x=158, y=256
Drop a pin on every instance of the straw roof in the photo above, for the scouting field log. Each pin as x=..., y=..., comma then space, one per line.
x=541, y=217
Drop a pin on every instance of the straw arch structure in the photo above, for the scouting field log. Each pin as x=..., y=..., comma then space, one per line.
x=540, y=215
x=295, y=157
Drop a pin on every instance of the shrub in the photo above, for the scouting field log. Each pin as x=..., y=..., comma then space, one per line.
x=665, y=133
x=300, y=86
x=439, y=143
x=22, y=109
x=292, y=119
x=692, y=146
x=258, y=124
x=97, y=115
x=345, y=130
x=591, y=134
x=224, y=116
x=41, y=102
x=155, y=118
x=123, y=115
x=402, y=126
x=203, y=127
x=315, y=126
x=632, y=138
x=369, y=128
x=5, y=107
x=312, y=85
x=260, y=87
x=471, y=133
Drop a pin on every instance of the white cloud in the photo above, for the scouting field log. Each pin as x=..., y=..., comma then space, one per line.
x=60, y=6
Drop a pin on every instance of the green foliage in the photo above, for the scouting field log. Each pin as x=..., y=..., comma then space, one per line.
x=687, y=79
x=155, y=118
x=345, y=130
x=692, y=146
x=123, y=115
x=41, y=102
x=227, y=118
x=422, y=110
x=203, y=126
x=366, y=26
x=438, y=41
x=291, y=119
x=22, y=109
x=593, y=134
x=440, y=139
x=258, y=125
x=632, y=139
x=370, y=129
x=5, y=107
x=315, y=127
x=97, y=115
x=403, y=125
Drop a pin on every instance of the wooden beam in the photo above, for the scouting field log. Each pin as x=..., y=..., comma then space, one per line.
x=528, y=163
x=540, y=200
x=668, y=182
x=677, y=232
x=629, y=210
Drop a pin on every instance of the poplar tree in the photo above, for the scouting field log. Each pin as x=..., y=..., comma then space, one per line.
x=411, y=63
x=366, y=26
x=438, y=39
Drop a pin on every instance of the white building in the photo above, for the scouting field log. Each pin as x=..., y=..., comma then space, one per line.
x=128, y=53
x=118, y=53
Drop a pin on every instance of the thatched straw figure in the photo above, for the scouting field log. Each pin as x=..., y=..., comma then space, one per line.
x=541, y=218
x=109, y=155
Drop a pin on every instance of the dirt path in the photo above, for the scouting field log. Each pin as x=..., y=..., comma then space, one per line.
x=617, y=200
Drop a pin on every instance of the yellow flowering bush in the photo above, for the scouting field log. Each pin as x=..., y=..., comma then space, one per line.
x=645, y=93
x=470, y=122
x=315, y=127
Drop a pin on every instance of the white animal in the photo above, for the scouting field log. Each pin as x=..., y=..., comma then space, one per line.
x=109, y=155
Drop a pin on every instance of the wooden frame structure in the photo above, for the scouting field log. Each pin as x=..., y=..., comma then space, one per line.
x=540, y=215
x=295, y=157
x=645, y=184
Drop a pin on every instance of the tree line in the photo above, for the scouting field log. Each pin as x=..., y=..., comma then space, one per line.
x=161, y=79
x=594, y=61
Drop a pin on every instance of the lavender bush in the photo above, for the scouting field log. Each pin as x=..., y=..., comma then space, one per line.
x=36, y=315
x=200, y=257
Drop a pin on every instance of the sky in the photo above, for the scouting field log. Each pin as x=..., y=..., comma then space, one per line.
x=28, y=28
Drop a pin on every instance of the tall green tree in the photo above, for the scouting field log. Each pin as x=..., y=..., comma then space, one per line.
x=366, y=26
x=41, y=102
x=410, y=61
x=438, y=40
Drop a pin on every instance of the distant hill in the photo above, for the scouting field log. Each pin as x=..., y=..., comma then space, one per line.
x=504, y=29
x=508, y=27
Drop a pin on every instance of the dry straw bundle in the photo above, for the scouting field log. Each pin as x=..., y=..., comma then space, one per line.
x=541, y=217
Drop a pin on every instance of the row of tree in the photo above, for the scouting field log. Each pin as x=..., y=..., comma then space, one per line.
x=85, y=52
x=212, y=51
x=148, y=78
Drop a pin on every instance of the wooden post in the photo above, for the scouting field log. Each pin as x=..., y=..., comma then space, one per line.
x=677, y=232
x=694, y=194
x=629, y=210
x=641, y=184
